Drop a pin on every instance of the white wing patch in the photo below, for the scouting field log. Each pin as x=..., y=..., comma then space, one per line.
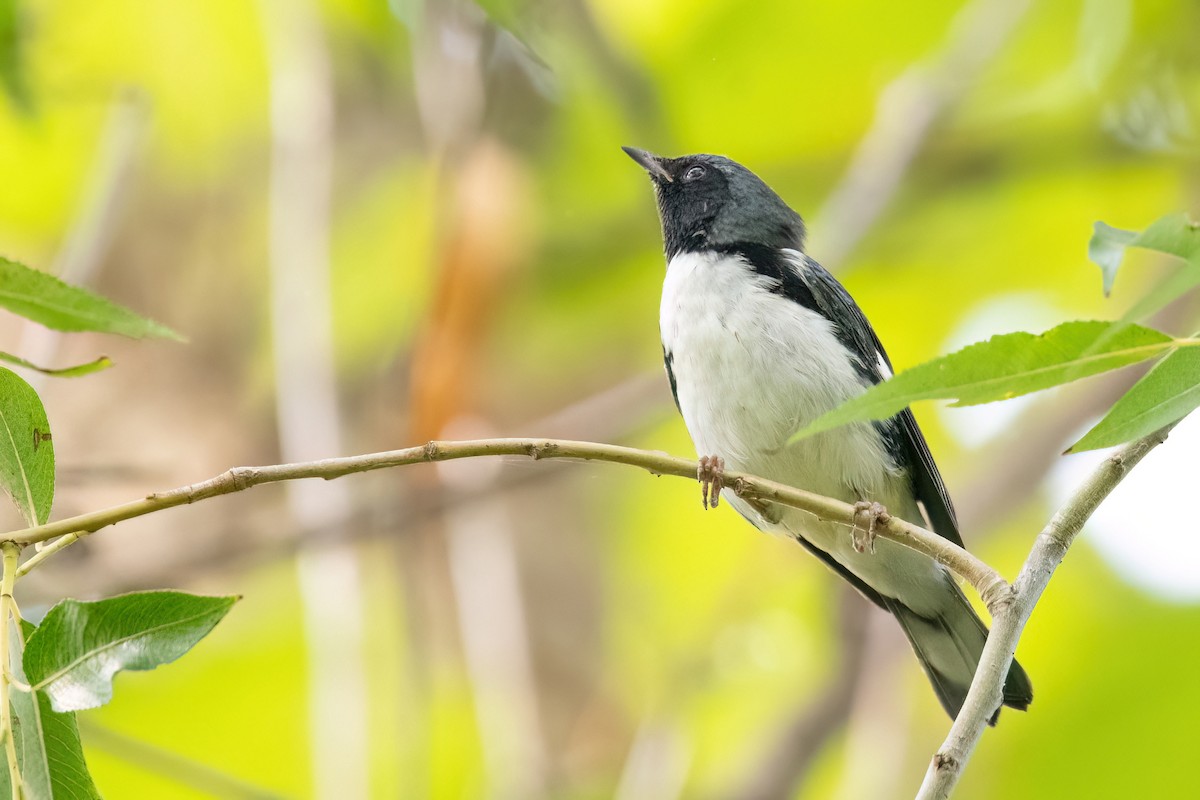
x=882, y=364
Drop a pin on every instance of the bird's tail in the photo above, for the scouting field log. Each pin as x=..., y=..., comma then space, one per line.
x=949, y=646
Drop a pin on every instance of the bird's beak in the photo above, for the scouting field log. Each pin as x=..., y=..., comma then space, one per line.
x=651, y=163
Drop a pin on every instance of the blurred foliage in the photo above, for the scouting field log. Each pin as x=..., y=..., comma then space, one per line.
x=657, y=634
x=12, y=75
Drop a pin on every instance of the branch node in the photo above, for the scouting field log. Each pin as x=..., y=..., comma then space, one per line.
x=430, y=451
x=755, y=497
x=998, y=597
x=539, y=450
x=944, y=761
x=242, y=477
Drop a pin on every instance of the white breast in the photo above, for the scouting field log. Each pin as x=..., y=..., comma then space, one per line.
x=752, y=367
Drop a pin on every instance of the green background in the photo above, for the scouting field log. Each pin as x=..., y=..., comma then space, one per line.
x=494, y=263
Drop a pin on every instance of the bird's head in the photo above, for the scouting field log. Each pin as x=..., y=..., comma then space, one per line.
x=708, y=202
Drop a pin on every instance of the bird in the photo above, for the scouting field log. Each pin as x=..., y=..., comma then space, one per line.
x=759, y=340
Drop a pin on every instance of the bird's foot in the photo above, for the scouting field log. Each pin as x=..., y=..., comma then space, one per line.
x=876, y=514
x=711, y=474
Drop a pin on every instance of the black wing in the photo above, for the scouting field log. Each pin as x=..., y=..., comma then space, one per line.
x=904, y=437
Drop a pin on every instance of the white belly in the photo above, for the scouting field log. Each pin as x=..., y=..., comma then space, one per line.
x=751, y=368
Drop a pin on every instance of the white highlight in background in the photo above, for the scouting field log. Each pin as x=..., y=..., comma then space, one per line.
x=1146, y=530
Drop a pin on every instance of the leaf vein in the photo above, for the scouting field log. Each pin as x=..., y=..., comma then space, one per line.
x=56, y=675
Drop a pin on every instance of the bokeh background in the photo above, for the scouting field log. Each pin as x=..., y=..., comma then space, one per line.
x=379, y=224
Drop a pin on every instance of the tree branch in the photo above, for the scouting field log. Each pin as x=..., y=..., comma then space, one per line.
x=991, y=587
x=1010, y=605
x=1007, y=625
x=616, y=412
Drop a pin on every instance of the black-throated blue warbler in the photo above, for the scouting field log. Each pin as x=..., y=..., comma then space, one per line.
x=759, y=340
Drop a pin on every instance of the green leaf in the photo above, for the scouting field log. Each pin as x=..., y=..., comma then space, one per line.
x=47, y=300
x=70, y=778
x=1167, y=393
x=101, y=363
x=1106, y=248
x=48, y=747
x=1004, y=366
x=79, y=646
x=26, y=449
x=1174, y=235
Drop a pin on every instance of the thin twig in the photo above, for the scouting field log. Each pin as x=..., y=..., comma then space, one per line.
x=622, y=411
x=1051, y=545
x=12, y=551
x=991, y=587
x=49, y=550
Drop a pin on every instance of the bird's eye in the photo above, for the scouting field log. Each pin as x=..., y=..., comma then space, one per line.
x=694, y=173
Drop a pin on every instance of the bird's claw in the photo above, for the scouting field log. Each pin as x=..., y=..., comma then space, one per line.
x=876, y=514
x=711, y=474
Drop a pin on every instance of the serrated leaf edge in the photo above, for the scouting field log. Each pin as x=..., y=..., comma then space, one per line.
x=818, y=426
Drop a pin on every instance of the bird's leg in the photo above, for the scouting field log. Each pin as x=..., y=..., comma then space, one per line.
x=711, y=474
x=876, y=514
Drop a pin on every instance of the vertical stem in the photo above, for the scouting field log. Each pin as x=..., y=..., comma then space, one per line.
x=306, y=402
x=11, y=552
x=1048, y=551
